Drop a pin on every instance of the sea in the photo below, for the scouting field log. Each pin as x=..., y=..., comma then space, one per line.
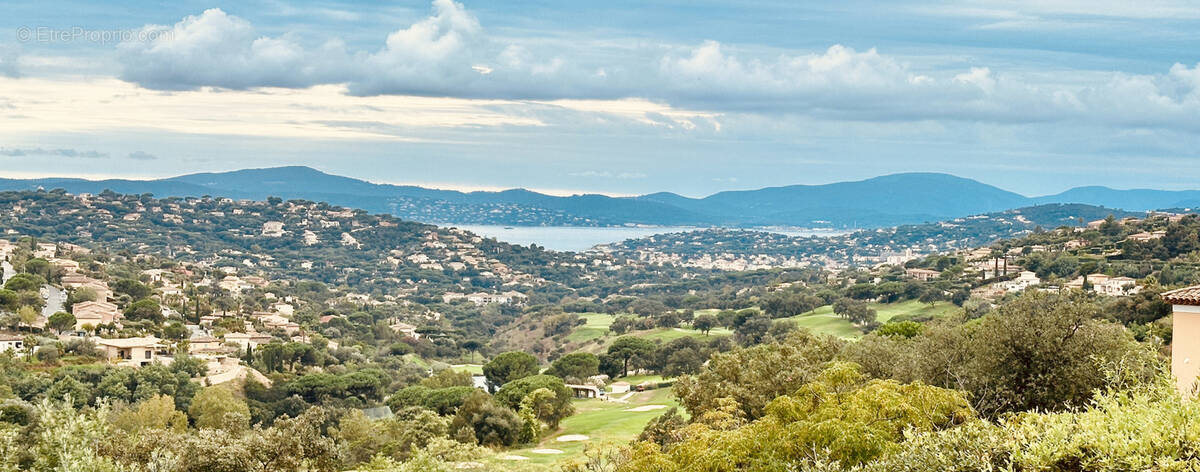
x=581, y=238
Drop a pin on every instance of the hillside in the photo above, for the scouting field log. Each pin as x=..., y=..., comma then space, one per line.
x=732, y=249
x=872, y=203
x=300, y=239
x=1134, y=199
x=381, y=335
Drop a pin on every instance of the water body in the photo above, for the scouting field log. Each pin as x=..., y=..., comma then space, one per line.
x=580, y=238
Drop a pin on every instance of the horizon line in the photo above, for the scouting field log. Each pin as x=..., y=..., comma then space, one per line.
x=549, y=191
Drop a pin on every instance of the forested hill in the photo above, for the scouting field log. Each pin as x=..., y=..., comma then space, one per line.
x=948, y=235
x=878, y=202
x=295, y=239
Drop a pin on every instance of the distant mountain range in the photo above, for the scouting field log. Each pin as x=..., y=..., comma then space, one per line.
x=878, y=202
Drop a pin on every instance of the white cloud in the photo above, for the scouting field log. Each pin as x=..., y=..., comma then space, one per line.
x=1032, y=11
x=838, y=75
x=978, y=76
x=8, y=61
x=42, y=106
x=142, y=156
x=451, y=54
x=608, y=175
x=221, y=50
x=1141, y=9
x=57, y=152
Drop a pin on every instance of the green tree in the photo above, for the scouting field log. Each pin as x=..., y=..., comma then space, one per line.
x=753, y=330
x=80, y=295
x=61, y=321
x=24, y=283
x=444, y=401
x=144, y=309
x=510, y=366
x=839, y=417
x=217, y=408
x=448, y=378
x=136, y=290
x=610, y=365
x=752, y=377
x=70, y=389
x=576, y=365
x=486, y=422
x=664, y=430
x=931, y=296
x=398, y=437
x=905, y=329
x=27, y=315
x=154, y=413
x=550, y=410
x=1038, y=351
x=1130, y=428
x=8, y=300
x=681, y=357
x=627, y=348
x=66, y=440
x=704, y=323
x=854, y=310
x=175, y=331
x=39, y=267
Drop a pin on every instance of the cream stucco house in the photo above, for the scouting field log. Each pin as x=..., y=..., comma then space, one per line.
x=130, y=351
x=1185, y=344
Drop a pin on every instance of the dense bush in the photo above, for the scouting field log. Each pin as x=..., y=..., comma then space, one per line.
x=1036, y=352
x=840, y=416
x=444, y=401
x=753, y=376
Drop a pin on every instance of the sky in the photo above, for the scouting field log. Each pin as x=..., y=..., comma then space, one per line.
x=613, y=97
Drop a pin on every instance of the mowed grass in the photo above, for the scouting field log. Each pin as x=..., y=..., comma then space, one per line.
x=597, y=326
x=603, y=422
x=821, y=320
x=824, y=320
x=671, y=334
x=416, y=359
x=885, y=312
x=473, y=369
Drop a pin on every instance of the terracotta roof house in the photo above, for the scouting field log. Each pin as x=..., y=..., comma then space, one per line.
x=203, y=343
x=130, y=351
x=94, y=313
x=253, y=340
x=922, y=274
x=405, y=329
x=11, y=342
x=1185, y=340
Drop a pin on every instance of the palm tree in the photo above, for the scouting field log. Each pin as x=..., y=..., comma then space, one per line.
x=31, y=343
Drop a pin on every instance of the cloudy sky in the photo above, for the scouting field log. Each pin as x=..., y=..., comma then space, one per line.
x=611, y=97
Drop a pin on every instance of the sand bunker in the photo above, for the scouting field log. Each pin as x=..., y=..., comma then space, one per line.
x=572, y=438
x=513, y=457
x=546, y=451
x=647, y=408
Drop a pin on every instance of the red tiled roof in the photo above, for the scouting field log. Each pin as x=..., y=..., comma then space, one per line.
x=1183, y=296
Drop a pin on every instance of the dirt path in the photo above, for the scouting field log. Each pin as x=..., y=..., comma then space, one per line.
x=647, y=408
x=622, y=399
